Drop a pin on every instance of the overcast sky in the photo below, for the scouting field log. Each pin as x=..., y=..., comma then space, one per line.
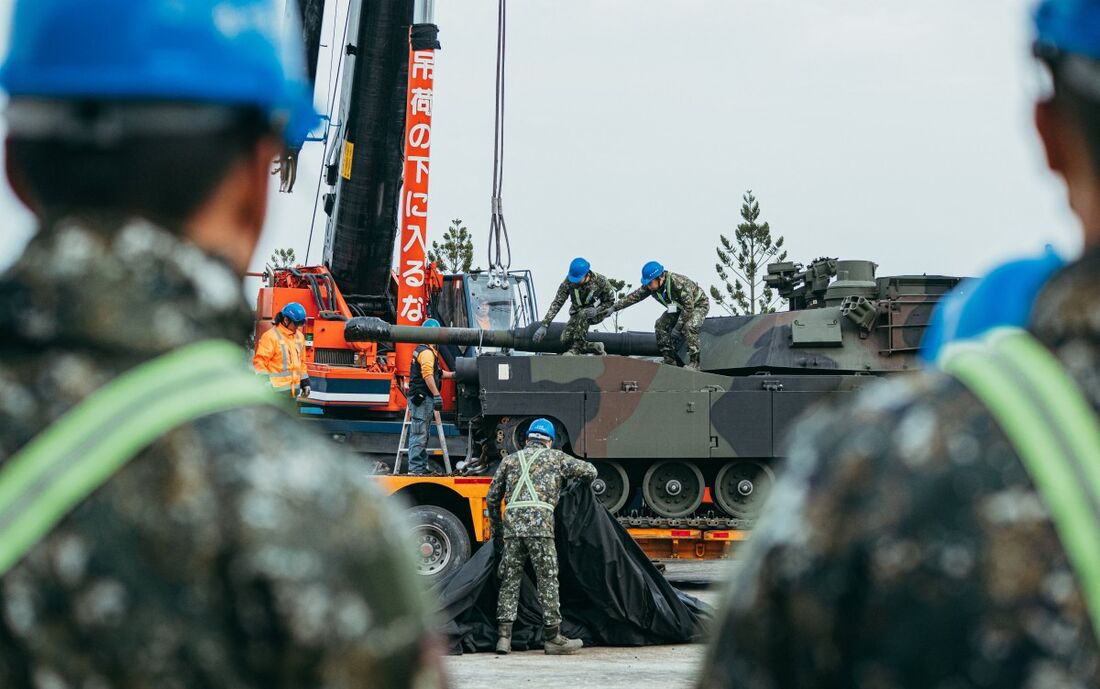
x=886, y=130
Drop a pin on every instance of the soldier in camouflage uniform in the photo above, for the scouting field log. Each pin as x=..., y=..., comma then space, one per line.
x=529, y=483
x=907, y=544
x=589, y=294
x=238, y=550
x=686, y=306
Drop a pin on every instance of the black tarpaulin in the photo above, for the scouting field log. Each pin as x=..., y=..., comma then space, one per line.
x=611, y=594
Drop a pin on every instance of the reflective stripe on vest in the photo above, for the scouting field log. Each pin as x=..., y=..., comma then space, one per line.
x=524, y=483
x=588, y=299
x=1054, y=430
x=665, y=298
x=82, y=450
x=276, y=378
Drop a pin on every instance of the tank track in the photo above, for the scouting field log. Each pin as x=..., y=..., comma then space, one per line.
x=702, y=523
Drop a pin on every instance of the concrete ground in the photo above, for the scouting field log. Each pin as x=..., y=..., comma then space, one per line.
x=649, y=667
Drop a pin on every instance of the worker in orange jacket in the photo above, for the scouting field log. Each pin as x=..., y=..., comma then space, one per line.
x=281, y=352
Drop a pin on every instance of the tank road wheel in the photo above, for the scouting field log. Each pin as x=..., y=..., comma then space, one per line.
x=673, y=489
x=741, y=488
x=442, y=544
x=612, y=487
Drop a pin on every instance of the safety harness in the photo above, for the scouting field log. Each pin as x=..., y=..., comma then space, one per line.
x=666, y=298
x=586, y=300
x=82, y=450
x=524, y=483
x=1054, y=430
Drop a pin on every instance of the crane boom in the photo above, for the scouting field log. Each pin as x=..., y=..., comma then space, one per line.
x=366, y=166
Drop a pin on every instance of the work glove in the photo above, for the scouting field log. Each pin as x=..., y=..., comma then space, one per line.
x=304, y=389
x=540, y=334
x=437, y=402
x=590, y=314
x=604, y=313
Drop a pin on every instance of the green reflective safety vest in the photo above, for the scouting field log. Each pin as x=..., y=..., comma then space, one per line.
x=82, y=450
x=1054, y=431
x=524, y=484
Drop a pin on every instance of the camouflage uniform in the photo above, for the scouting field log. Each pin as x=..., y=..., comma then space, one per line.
x=236, y=551
x=529, y=530
x=907, y=546
x=687, y=306
x=597, y=293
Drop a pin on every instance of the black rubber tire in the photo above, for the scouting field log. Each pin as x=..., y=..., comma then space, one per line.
x=759, y=479
x=674, y=507
x=607, y=471
x=444, y=532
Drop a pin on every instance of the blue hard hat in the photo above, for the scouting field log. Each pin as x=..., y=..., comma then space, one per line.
x=1002, y=298
x=543, y=427
x=294, y=312
x=651, y=271
x=1071, y=26
x=578, y=269
x=430, y=323
x=217, y=52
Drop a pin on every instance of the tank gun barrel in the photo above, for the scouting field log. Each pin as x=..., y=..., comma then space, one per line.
x=520, y=339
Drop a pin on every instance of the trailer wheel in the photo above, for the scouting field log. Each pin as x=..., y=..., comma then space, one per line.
x=442, y=544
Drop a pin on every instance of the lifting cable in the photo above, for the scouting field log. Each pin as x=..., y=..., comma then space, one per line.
x=336, y=63
x=500, y=248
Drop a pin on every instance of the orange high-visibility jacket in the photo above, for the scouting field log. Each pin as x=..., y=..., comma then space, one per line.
x=281, y=355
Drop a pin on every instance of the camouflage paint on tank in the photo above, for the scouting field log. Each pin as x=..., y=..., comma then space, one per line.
x=622, y=408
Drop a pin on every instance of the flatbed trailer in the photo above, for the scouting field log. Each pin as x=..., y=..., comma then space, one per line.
x=451, y=520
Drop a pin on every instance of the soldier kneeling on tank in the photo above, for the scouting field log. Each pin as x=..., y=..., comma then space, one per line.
x=529, y=482
x=589, y=294
x=686, y=306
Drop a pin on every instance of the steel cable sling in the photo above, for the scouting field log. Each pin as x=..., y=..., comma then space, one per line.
x=499, y=246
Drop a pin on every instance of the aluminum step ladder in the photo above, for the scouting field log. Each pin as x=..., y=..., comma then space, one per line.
x=403, y=443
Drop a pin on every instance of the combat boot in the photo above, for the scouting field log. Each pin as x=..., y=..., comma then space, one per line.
x=597, y=348
x=555, y=644
x=504, y=638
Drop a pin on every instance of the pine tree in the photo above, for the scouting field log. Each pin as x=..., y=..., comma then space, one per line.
x=622, y=288
x=742, y=263
x=456, y=253
x=282, y=259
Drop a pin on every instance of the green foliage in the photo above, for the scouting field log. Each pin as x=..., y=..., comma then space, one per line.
x=456, y=253
x=742, y=263
x=622, y=288
x=283, y=258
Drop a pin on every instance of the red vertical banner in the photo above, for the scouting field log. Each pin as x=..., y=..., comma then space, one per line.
x=412, y=283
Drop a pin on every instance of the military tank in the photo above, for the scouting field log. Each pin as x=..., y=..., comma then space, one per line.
x=677, y=447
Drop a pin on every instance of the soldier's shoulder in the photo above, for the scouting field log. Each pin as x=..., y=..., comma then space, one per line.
x=909, y=418
x=682, y=279
x=276, y=437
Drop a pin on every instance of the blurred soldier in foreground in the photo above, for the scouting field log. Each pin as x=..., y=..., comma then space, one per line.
x=529, y=482
x=686, y=306
x=943, y=532
x=281, y=352
x=162, y=524
x=588, y=293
